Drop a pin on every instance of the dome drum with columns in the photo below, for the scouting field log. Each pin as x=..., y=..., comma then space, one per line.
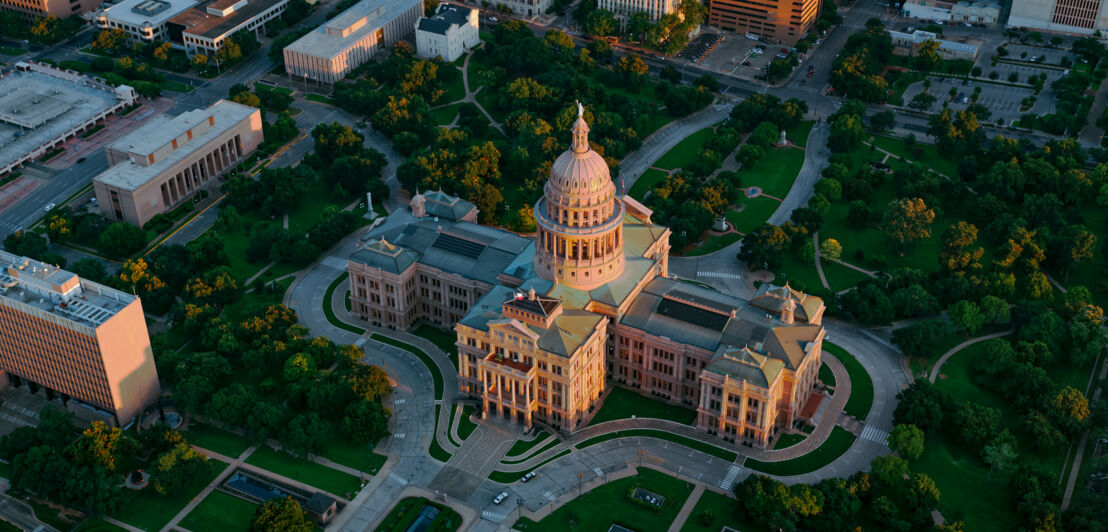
x=580, y=231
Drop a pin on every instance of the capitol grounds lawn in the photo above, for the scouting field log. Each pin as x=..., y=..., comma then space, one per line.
x=755, y=212
x=150, y=511
x=722, y=508
x=407, y=510
x=220, y=511
x=837, y=444
x=607, y=504
x=713, y=244
x=215, y=439
x=960, y=473
x=929, y=154
x=826, y=376
x=96, y=524
x=329, y=311
x=526, y=453
x=311, y=473
x=445, y=340
x=433, y=368
x=359, y=456
x=435, y=450
x=646, y=182
x=465, y=425
x=681, y=155
x=798, y=134
x=622, y=403
x=445, y=115
x=861, y=386
x=775, y=172
x=788, y=440
x=521, y=447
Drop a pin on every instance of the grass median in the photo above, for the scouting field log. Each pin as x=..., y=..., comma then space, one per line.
x=836, y=445
x=436, y=376
x=330, y=311
x=696, y=445
x=861, y=386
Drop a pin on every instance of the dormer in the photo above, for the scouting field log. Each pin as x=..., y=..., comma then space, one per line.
x=532, y=309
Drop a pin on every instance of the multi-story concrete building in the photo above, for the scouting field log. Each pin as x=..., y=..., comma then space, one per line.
x=194, y=26
x=76, y=338
x=1079, y=17
x=972, y=12
x=332, y=50
x=453, y=30
x=547, y=325
x=779, y=21
x=163, y=163
x=623, y=9
x=32, y=9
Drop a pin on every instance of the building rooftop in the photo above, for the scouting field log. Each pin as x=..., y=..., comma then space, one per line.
x=162, y=130
x=217, y=18
x=350, y=26
x=447, y=15
x=446, y=206
x=156, y=12
x=55, y=291
x=36, y=108
x=919, y=37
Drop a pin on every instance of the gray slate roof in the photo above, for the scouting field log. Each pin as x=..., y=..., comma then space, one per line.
x=448, y=15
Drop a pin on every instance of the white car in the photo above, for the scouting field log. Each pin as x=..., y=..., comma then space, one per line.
x=50, y=206
x=500, y=498
x=527, y=477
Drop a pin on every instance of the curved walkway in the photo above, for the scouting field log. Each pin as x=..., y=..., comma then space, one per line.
x=937, y=368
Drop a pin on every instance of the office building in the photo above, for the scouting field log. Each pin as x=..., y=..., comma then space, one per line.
x=957, y=12
x=146, y=21
x=32, y=9
x=163, y=163
x=777, y=21
x=449, y=34
x=547, y=325
x=75, y=338
x=623, y=9
x=340, y=45
x=191, y=25
x=1076, y=17
x=42, y=106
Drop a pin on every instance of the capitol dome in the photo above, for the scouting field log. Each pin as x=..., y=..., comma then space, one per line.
x=579, y=172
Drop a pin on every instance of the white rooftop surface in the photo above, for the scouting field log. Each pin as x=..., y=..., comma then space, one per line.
x=84, y=103
x=162, y=130
x=121, y=12
x=89, y=304
x=318, y=43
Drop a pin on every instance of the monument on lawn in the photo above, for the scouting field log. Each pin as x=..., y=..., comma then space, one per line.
x=782, y=142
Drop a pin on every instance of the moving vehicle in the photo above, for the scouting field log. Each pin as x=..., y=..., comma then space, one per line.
x=50, y=206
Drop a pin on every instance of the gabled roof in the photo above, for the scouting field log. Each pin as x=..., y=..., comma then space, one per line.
x=447, y=16
x=772, y=298
x=386, y=256
x=745, y=364
x=444, y=205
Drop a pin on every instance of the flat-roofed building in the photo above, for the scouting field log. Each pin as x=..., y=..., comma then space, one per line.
x=329, y=52
x=163, y=163
x=205, y=28
x=972, y=12
x=1079, y=17
x=623, y=9
x=909, y=43
x=42, y=106
x=40, y=8
x=146, y=21
x=74, y=337
x=779, y=21
x=448, y=34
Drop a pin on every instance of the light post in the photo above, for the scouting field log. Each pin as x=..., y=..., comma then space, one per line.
x=579, y=475
x=519, y=507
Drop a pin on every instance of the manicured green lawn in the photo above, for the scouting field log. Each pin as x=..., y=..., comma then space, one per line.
x=253, y=302
x=311, y=473
x=837, y=443
x=721, y=508
x=465, y=426
x=320, y=99
x=8, y=527
x=714, y=244
x=798, y=134
x=455, y=90
x=310, y=207
x=150, y=511
x=485, y=98
x=97, y=524
x=788, y=440
x=436, y=377
x=755, y=212
x=646, y=182
x=329, y=311
x=840, y=277
x=11, y=50
x=697, y=445
x=215, y=439
x=236, y=242
x=775, y=172
x=960, y=476
x=622, y=403
x=826, y=376
x=598, y=509
x=508, y=478
x=930, y=156
x=520, y=447
x=802, y=275
x=685, y=151
x=443, y=339
x=220, y=511
x=435, y=450
x=445, y=115
x=355, y=455
x=861, y=386
x=407, y=510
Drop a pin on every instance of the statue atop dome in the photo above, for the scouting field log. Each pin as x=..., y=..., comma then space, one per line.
x=580, y=110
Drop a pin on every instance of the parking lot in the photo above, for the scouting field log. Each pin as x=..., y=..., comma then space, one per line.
x=733, y=51
x=1002, y=100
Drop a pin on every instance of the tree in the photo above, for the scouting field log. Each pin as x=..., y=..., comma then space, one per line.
x=921, y=405
x=109, y=40
x=927, y=57
x=958, y=252
x=846, y=133
x=922, y=492
x=922, y=338
x=98, y=445
x=89, y=268
x=906, y=221
x=1000, y=456
x=764, y=247
x=883, y=121
x=1069, y=409
x=121, y=239
x=890, y=469
x=305, y=433
x=922, y=101
x=247, y=98
x=1044, y=435
x=365, y=421
x=831, y=248
x=966, y=316
x=281, y=515
x=633, y=69
x=178, y=469
x=26, y=244
x=906, y=441
x=600, y=22
x=914, y=300
x=977, y=424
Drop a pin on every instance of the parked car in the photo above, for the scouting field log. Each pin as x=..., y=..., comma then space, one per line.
x=528, y=477
x=746, y=63
x=95, y=202
x=500, y=498
x=81, y=160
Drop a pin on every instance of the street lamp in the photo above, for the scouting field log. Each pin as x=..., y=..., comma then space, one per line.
x=519, y=507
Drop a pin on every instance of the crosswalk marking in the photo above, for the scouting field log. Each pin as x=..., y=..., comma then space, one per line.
x=398, y=479
x=491, y=516
x=720, y=275
x=729, y=480
x=549, y=496
x=398, y=435
x=399, y=401
x=599, y=472
x=875, y=434
x=338, y=263
x=361, y=342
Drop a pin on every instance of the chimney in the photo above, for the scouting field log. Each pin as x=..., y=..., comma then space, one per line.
x=788, y=307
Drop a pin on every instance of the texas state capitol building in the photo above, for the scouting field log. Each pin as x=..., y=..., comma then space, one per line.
x=546, y=325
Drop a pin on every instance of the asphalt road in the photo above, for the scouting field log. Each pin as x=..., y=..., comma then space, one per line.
x=55, y=189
